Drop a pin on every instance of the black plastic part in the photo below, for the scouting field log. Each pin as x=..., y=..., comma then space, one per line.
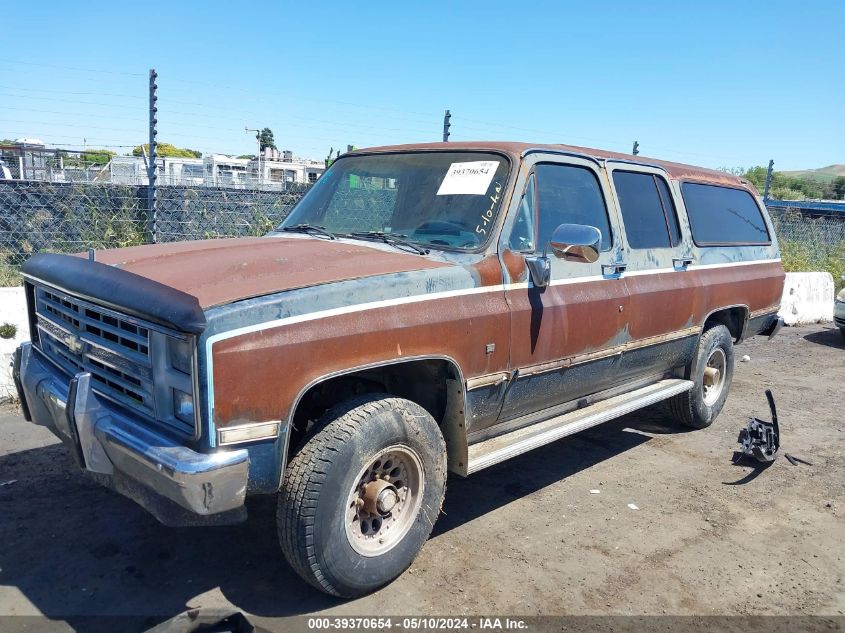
x=70, y=407
x=119, y=289
x=16, y=376
x=773, y=327
x=760, y=439
x=795, y=460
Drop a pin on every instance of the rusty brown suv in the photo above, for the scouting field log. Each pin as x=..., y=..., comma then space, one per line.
x=423, y=309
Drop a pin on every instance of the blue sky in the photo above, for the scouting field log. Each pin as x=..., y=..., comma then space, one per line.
x=717, y=84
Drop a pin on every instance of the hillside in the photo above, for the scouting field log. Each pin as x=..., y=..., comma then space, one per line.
x=822, y=174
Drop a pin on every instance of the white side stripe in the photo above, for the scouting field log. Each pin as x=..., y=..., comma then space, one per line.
x=434, y=296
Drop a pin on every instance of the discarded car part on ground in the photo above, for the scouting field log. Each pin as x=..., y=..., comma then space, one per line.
x=794, y=460
x=761, y=439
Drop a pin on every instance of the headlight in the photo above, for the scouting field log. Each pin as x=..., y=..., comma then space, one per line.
x=841, y=296
x=181, y=354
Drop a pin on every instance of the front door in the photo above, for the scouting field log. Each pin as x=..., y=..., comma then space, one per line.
x=565, y=338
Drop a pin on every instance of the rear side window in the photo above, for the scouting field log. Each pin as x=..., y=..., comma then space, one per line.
x=723, y=216
x=647, y=210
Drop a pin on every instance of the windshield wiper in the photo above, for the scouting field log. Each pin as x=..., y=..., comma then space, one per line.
x=310, y=229
x=394, y=239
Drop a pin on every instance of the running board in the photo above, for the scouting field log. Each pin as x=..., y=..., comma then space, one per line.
x=503, y=447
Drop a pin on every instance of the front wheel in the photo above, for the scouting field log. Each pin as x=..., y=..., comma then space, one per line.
x=712, y=373
x=362, y=495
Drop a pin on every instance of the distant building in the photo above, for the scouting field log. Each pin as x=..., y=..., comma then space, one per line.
x=284, y=169
x=831, y=209
x=128, y=170
x=29, y=159
x=225, y=171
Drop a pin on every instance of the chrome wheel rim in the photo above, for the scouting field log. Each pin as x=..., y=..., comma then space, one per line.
x=384, y=501
x=713, y=381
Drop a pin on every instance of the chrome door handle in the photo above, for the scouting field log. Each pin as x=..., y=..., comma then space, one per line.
x=682, y=262
x=614, y=269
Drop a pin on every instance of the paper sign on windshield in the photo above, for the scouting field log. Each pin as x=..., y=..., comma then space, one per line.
x=468, y=178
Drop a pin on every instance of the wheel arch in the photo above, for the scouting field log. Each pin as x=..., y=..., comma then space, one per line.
x=733, y=317
x=445, y=398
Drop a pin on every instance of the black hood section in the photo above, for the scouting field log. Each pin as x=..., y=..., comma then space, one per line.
x=118, y=289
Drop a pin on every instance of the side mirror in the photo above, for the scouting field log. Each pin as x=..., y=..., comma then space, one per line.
x=572, y=242
x=576, y=243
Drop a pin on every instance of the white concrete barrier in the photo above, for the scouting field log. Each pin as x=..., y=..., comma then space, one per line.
x=807, y=298
x=12, y=310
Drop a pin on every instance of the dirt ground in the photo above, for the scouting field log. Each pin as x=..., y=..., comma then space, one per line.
x=525, y=537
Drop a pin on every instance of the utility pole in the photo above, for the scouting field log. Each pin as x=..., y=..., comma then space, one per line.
x=636, y=148
x=446, y=125
x=152, y=193
x=769, y=172
x=258, y=140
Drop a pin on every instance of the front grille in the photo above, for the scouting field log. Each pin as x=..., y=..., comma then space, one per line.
x=116, y=349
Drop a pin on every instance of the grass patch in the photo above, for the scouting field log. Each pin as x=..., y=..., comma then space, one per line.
x=801, y=257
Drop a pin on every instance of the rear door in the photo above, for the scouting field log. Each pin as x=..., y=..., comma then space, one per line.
x=660, y=324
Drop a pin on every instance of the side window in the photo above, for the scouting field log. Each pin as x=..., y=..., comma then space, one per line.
x=522, y=234
x=567, y=194
x=723, y=216
x=647, y=210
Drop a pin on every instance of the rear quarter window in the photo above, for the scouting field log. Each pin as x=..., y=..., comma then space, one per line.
x=723, y=216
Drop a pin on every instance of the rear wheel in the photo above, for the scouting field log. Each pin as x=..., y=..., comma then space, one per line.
x=712, y=373
x=362, y=495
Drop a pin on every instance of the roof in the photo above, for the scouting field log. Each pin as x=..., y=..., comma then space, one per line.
x=678, y=171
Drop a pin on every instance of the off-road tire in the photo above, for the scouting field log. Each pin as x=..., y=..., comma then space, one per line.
x=842, y=331
x=690, y=407
x=312, y=505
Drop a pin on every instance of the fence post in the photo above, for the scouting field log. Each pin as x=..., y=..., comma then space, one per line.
x=152, y=177
x=446, y=125
x=768, y=181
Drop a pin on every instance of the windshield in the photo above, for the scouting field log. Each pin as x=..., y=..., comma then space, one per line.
x=437, y=199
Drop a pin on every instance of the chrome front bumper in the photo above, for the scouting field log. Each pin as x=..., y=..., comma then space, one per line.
x=122, y=452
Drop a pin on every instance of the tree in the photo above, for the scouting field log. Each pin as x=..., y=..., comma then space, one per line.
x=265, y=139
x=88, y=158
x=166, y=150
x=835, y=189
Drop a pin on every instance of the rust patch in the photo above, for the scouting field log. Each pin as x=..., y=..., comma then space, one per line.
x=489, y=271
x=258, y=376
x=220, y=271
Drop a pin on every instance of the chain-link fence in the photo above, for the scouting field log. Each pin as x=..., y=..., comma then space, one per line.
x=71, y=217
x=809, y=244
x=67, y=217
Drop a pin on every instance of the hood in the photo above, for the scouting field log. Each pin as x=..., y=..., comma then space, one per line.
x=225, y=270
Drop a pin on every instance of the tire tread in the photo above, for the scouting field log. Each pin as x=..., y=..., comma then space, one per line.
x=306, y=473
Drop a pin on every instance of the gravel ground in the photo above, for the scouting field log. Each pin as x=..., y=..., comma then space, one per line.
x=525, y=537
